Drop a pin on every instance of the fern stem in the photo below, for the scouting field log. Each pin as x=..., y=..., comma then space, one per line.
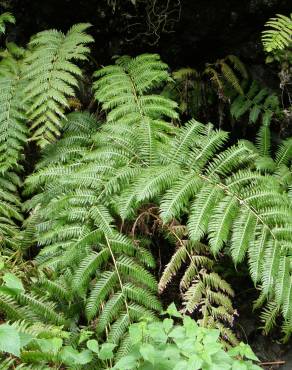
x=119, y=277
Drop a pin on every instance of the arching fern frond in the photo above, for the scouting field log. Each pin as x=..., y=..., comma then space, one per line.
x=258, y=102
x=13, y=130
x=5, y=18
x=279, y=34
x=52, y=75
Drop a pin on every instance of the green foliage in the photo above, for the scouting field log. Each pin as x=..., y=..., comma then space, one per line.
x=226, y=73
x=204, y=292
x=102, y=191
x=165, y=345
x=13, y=129
x=279, y=34
x=225, y=186
x=189, y=89
x=51, y=76
x=196, y=91
x=107, y=269
x=156, y=344
x=10, y=211
x=39, y=347
x=258, y=102
x=4, y=19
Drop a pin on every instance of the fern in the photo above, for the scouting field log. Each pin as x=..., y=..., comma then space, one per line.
x=258, y=102
x=100, y=181
x=51, y=78
x=197, y=91
x=4, y=19
x=13, y=130
x=223, y=76
x=223, y=189
x=279, y=34
x=204, y=292
x=105, y=253
x=10, y=211
x=103, y=261
x=188, y=88
x=274, y=161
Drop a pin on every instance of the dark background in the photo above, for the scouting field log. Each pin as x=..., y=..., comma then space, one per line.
x=204, y=30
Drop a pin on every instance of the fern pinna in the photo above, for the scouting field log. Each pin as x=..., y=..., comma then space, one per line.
x=224, y=197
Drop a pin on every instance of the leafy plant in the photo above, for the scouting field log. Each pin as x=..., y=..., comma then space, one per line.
x=258, y=102
x=196, y=91
x=279, y=36
x=166, y=345
x=13, y=117
x=51, y=76
x=5, y=18
x=107, y=268
x=38, y=347
x=102, y=191
x=221, y=195
x=203, y=291
x=226, y=73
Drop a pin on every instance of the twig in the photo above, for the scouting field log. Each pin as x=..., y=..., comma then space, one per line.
x=272, y=363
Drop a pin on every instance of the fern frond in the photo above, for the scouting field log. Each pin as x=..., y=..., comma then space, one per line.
x=6, y=17
x=52, y=77
x=279, y=35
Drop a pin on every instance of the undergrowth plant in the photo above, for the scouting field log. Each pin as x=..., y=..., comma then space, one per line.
x=196, y=91
x=104, y=188
x=220, y=192
x=170, y=345
x=279, y=34
x=51, y=75
x=4, y=19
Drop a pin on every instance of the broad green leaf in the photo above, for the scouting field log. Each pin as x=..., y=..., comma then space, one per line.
x=172, y=311
x=239, y=365
x=148, y=353
x=195, y=362
x=157, y=333
x=92, y=344
x=171, y=351
x=181, y=365
x=71, y=356
x=13, y=282
x=9, y=340
x=136, y=332
x=248, y=353
x=52, y=345
x=190, y=326
x=167, y=325
x=126, y=363
x=106, y=351
x=178, y=333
